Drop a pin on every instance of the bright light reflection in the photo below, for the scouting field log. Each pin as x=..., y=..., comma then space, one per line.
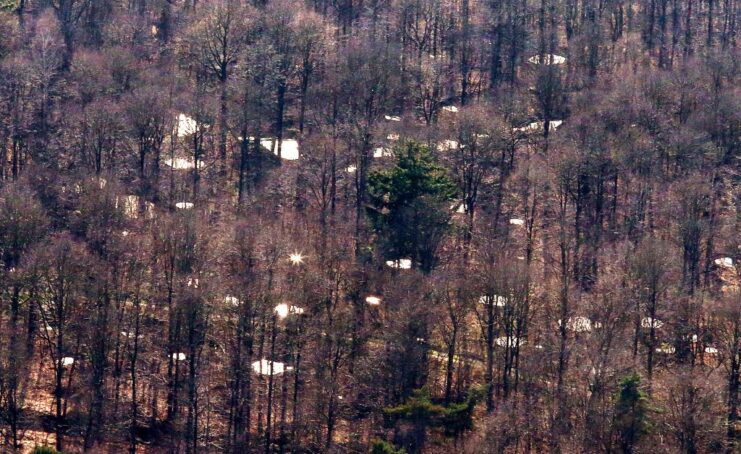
x=373, y=300
x=283, y=310
x=296, y=258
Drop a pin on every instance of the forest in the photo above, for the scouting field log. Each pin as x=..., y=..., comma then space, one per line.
x=370, y=226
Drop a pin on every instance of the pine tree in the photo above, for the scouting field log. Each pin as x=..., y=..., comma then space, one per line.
x=631, y=420
x=410, y=205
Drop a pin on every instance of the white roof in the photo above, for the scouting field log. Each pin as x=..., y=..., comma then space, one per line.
x=725, y=262
x=447, y=145
x=459, y=207
x=538, y=125
x=263, y=366
x=504, y=341
x=499, y=301
x=184, y=205
x=534, y=126
x=186, y=125
x=231, y=300
x=68, y=361
x=550, y=59
x=182, y=164
x=382, y=152
x=178, y=356
x=402, y=264
x=450, y=109
x=648, y=322
x=515, y=221
x=578, y=324
x=373, y=300
x=283, y=310
x=553, y=124
x=392, y=118
x=131, y=206
x=288, y=150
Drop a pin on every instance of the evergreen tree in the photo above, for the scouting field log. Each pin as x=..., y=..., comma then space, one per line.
x=419, y=412
x=631, y=413
x=44, y=450
x=383, y=447
x=410, y=205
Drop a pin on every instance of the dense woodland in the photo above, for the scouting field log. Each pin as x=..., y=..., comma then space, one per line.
x=352, y=226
